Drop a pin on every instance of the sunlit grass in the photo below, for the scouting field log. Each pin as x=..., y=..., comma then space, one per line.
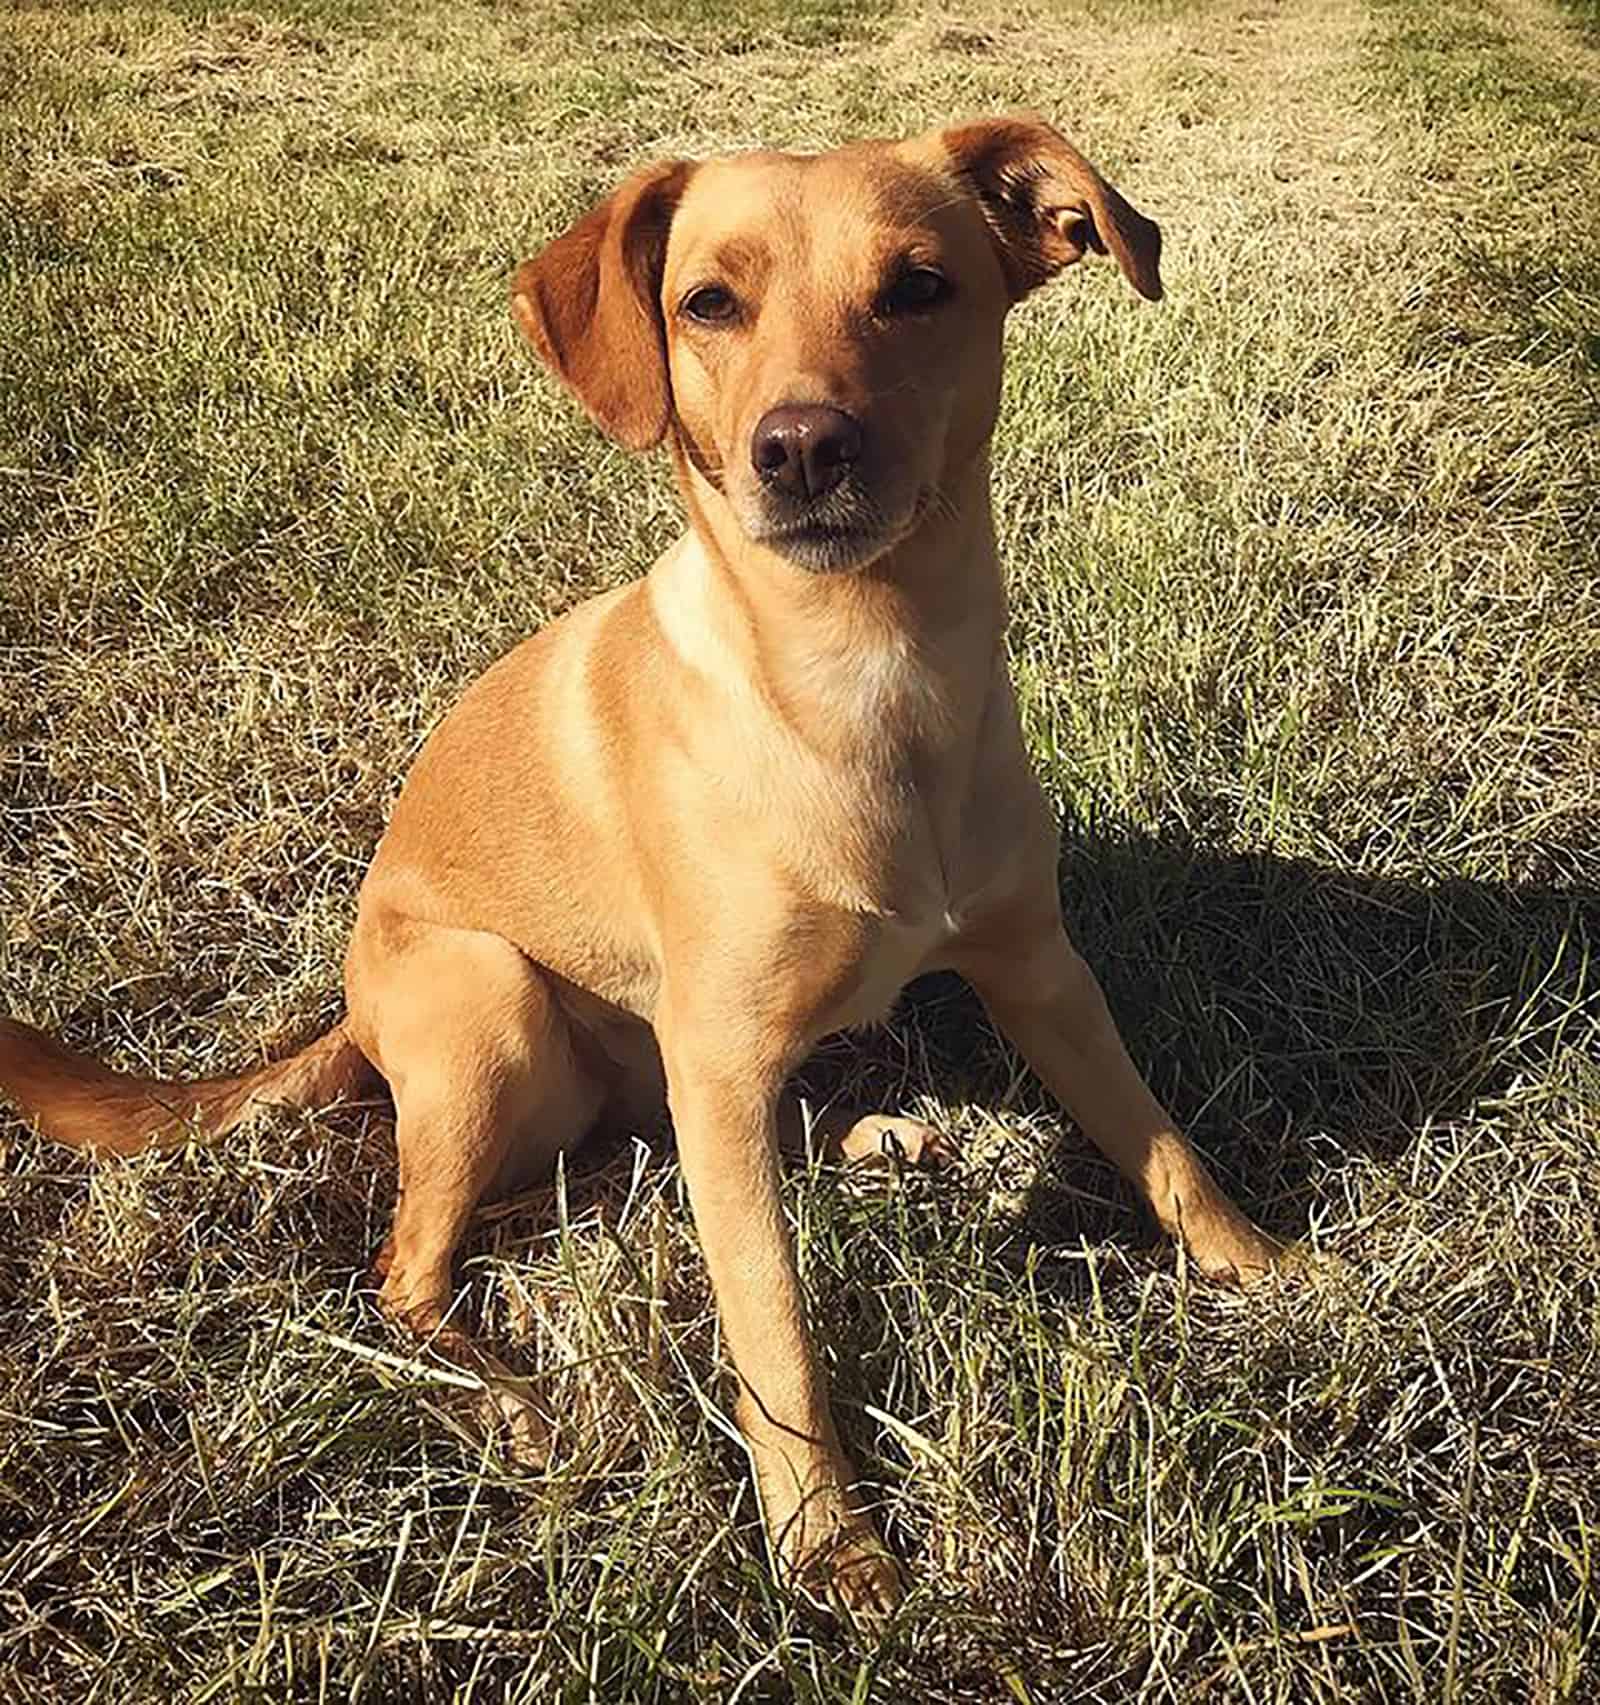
x=1306, y=626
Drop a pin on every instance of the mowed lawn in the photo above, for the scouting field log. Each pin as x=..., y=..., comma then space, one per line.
x=1306, y=621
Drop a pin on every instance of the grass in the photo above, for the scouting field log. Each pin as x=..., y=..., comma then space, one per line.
x=1307, y=630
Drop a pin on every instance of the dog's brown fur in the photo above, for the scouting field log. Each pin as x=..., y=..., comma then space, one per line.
x=699, y=823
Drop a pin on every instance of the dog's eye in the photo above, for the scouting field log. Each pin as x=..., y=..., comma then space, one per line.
x=711, y=304
x=916, y=290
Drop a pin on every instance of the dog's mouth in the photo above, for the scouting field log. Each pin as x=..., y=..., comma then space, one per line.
x=822, y=544
x=848, y=530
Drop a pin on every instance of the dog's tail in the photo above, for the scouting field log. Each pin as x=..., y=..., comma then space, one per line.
x=78, y=1101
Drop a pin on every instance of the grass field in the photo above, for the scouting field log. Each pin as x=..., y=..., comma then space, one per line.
x=1305, y=568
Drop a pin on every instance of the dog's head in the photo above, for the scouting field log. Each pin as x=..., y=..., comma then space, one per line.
x=820, y=334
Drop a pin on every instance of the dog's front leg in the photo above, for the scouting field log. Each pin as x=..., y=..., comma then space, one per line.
x=1046, y=1000
x=726, y=1125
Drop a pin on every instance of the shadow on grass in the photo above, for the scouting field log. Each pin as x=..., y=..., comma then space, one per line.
x=1289, y=1014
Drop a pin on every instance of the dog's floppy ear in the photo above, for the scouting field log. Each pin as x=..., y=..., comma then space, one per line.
x=589, y=302
x=1047, y=206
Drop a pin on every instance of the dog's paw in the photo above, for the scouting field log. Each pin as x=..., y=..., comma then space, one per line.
x=1229, y=1250
x=824, y=1545
x=496, y=1402
x=862, y=1580
x=883, y=1138
x=524, y=1431
x=831, y=1554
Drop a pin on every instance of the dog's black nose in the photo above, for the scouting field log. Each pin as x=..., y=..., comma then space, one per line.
x=805, y=448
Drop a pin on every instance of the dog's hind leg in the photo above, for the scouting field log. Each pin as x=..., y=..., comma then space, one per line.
x=487, y=1091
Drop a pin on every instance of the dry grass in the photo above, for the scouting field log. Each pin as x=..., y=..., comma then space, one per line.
x=1308, y=633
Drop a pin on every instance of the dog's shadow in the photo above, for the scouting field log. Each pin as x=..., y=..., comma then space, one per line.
x=1288, y=1013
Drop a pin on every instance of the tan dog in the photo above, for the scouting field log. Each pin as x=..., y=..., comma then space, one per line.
x=702, y=821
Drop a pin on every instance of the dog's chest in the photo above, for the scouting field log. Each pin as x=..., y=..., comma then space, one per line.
x=889, y=868
x=898, y=948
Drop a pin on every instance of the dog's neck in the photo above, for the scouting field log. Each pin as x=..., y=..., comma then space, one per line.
x=906, y=644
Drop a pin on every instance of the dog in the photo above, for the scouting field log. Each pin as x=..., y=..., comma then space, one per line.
x=702, y=821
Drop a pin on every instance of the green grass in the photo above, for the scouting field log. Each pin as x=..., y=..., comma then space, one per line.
x=1307, y=630
x=1586, y=14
